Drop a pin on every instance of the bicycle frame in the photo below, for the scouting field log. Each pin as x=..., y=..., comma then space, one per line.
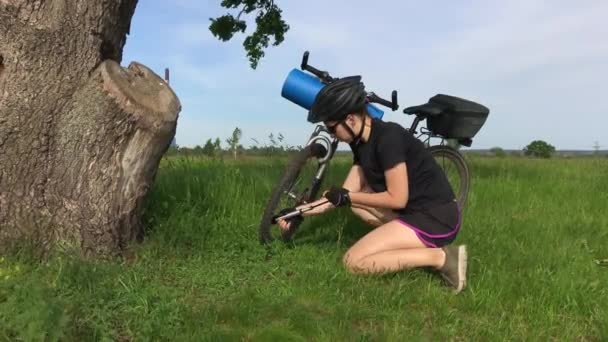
x=321, y=134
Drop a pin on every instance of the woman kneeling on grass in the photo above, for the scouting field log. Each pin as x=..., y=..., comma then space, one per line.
x=394, y=185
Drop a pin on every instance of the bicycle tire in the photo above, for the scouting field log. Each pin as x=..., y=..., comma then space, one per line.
x=464, y=175
x=290, y=175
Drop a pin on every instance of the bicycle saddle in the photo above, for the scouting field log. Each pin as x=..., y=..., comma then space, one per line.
x=427, y=109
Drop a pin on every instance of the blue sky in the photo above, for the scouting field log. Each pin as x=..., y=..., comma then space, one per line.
x=540, y=66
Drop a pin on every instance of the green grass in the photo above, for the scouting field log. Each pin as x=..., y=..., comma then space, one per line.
x=534, y=229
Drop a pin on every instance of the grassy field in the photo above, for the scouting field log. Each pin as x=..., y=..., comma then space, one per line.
x=535, y=229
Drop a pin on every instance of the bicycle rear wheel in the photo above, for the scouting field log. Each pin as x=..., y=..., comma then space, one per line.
x=456, y=170
x=297, y=186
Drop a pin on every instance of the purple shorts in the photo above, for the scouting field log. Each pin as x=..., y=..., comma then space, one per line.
x=436, y=226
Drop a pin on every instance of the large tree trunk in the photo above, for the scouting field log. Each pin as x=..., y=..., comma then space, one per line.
x=80, y=136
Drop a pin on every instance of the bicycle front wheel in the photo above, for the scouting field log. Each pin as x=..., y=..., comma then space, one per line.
x=297, y=186
x=456, y=170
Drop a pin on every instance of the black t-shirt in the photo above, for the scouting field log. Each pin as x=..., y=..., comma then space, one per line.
x=389, y=144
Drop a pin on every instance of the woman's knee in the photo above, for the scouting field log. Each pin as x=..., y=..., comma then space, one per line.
x=352, y=261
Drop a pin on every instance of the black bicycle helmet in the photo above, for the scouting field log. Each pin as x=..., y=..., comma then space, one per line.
x=338, y=99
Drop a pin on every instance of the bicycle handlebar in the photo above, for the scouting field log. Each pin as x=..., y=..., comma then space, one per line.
x=390, y=104
x=323, y=75
x=326, y=78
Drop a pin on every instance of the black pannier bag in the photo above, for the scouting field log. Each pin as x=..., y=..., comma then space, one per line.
x=459, y=119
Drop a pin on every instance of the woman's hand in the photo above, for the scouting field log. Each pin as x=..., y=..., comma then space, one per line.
x=337, y=196
x=284, y=224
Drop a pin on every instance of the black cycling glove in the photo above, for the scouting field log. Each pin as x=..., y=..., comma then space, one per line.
x=337, y=196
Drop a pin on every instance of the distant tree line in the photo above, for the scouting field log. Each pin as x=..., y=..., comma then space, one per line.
x=276, y=147
x=233, y=148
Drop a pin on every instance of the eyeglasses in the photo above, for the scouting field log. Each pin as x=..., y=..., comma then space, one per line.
x=332, y=129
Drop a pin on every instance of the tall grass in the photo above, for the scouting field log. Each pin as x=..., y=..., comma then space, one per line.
x=534, y=230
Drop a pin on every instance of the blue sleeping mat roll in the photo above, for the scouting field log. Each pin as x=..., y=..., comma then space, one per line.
x=302, y=88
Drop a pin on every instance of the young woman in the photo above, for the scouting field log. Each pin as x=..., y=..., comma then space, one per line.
x=394, y=185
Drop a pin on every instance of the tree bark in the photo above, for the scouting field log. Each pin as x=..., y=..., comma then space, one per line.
x=81, y=137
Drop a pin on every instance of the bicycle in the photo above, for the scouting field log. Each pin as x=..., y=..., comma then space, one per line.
x=448, y=117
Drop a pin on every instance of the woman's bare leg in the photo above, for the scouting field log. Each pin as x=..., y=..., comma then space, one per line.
x=373, y=216
x=389, y=248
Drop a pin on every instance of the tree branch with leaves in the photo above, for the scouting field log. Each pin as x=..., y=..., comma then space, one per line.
x=269, y=23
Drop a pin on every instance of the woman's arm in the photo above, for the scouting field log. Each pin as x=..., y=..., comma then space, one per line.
x=354, y=180
x=395, y=196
